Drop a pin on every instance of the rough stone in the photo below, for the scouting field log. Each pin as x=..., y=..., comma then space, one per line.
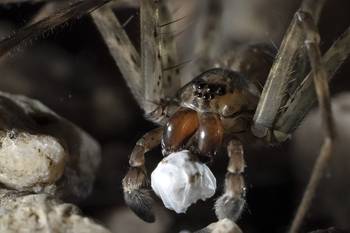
x=42, y=152
x=222, y=226
x=124, y=220
x=41, y=213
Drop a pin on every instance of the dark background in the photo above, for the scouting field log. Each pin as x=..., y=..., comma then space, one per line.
x=70, y=70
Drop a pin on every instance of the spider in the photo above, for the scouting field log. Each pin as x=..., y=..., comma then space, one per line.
x=223, y=105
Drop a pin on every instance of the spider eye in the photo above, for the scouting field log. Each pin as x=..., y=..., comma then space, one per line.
x=206, y=96
x=198, y=85
x=198, y=94
x=220, y=91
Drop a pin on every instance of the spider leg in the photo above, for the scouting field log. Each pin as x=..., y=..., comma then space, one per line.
x=121, y=49
x=158, y=56
x=37, y=29
x=312, y=40
x=156, y=82
x=320, y=79
x=46, y=10
x=282, y=71
x=231, y=204
x=304, y=97
x=135, y=183
x=208, y=45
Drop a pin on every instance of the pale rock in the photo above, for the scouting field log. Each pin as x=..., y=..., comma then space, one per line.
x=121, y=220
x=179, y=181
x=41, y=213
x=222, y=226
x=45, y=155
x=42, y=152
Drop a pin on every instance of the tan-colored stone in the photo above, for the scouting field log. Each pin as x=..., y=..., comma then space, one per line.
x=41, y=213
x=223, y=226
x=42, y=152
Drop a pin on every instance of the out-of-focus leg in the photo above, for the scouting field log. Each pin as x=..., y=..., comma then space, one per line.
x=312, y=40
x=37, y=29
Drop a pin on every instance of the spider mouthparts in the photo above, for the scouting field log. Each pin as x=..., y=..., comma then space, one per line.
x=140, y=202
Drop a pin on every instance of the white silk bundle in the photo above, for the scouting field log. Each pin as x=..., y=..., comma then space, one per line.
x=180, y=181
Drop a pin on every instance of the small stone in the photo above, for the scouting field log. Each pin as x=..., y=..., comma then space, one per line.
x=179, y=181
x=42, y=213
x=223, y=225
x=43, y=152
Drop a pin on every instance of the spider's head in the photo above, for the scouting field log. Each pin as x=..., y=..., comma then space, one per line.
x=206, y=91
x=219, y=91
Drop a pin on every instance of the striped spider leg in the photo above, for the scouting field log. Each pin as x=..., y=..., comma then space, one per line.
x=32, y=31
x=282, y=115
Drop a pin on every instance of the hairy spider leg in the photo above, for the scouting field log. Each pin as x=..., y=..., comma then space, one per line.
x=312, y=41
x=135, y=183
x=231, y=203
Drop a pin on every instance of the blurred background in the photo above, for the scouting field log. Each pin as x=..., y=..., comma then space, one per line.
x=71, y=71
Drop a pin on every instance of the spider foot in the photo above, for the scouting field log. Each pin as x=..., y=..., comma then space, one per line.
x=140, y=201
x=136, y=196
x=231, y=204
x=229, y=207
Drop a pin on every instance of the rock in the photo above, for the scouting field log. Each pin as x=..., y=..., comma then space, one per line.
x=42, y=152
x=121, y=220
x=41, y=213
x=222, y=226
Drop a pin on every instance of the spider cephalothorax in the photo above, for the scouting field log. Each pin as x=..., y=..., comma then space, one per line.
x=214, y=105
x=220, y=91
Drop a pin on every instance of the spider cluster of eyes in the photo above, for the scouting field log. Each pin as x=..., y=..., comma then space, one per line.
x=207, y=91
x=181, y=181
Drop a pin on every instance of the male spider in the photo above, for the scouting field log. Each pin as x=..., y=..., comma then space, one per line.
x=222, y=105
